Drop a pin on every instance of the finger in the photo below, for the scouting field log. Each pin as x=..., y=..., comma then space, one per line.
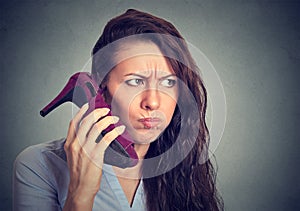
x=78, y=116
x=108, y=138
x=75, y=122
x=96, y=131
x=100, y=126
x=88, y=122
x=97, y=153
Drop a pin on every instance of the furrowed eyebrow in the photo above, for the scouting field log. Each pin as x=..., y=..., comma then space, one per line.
x=167, y=76
x=145, y=77
x=138, y=75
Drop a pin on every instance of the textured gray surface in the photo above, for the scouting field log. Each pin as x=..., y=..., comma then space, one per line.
x=254, y=46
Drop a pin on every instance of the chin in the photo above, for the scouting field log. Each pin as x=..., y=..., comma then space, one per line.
x=146, y=137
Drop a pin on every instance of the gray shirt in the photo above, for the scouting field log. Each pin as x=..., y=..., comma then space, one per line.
x=41, y=179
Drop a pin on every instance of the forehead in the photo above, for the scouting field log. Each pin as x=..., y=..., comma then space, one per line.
x=130, y=49
x=141, y=57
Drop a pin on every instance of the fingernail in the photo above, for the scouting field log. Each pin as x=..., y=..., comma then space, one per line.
x=85, y=106
x=105, y=110
x=115, y=119
x=120, y=129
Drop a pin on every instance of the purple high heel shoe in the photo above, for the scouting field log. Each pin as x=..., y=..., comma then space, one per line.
x=80, y=89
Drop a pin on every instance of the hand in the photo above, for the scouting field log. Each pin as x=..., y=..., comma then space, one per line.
x=85, y=156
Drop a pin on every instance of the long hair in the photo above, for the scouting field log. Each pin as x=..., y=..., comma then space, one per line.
x=191, y=184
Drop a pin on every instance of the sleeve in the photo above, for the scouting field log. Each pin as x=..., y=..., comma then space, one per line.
x=32, y=187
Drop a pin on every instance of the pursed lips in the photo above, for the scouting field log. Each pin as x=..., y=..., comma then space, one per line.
x=150, y=122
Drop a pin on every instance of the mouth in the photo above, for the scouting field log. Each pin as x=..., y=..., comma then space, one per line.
x=150, y=122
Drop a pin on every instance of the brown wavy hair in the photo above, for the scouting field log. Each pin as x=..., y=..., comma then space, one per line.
x=191, y=184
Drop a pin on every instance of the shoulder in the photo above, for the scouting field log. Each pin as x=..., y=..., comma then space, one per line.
x=43, y=160
x=40, y=177
x=42, y=152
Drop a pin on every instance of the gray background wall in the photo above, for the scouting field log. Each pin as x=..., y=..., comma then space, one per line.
x=254, y=46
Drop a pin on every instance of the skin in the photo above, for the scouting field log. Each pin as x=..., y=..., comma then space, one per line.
x=143, y=87
x=143, y=94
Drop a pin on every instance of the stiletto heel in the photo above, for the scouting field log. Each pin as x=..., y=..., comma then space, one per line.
x=79, y=89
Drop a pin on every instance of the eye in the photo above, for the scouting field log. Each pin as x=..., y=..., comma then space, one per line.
x=169, y=83
x=135, y=82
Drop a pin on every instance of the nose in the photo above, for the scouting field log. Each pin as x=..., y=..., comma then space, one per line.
x=150, y=99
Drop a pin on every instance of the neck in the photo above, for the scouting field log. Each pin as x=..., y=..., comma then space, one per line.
x=141, y=150
x=133, y=172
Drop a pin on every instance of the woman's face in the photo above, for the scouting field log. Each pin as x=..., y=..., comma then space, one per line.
x=144, y=93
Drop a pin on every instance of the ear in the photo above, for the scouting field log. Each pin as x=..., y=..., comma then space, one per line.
x=106, y=95
x=103, y=87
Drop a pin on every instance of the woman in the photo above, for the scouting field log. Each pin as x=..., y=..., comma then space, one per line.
x=152, y=86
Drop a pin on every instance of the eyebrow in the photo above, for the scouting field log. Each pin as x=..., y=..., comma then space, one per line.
x=144, y=77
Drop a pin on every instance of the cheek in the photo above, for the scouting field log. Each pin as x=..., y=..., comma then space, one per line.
x=169, y=110
x=120, y=108
x=124, y=106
